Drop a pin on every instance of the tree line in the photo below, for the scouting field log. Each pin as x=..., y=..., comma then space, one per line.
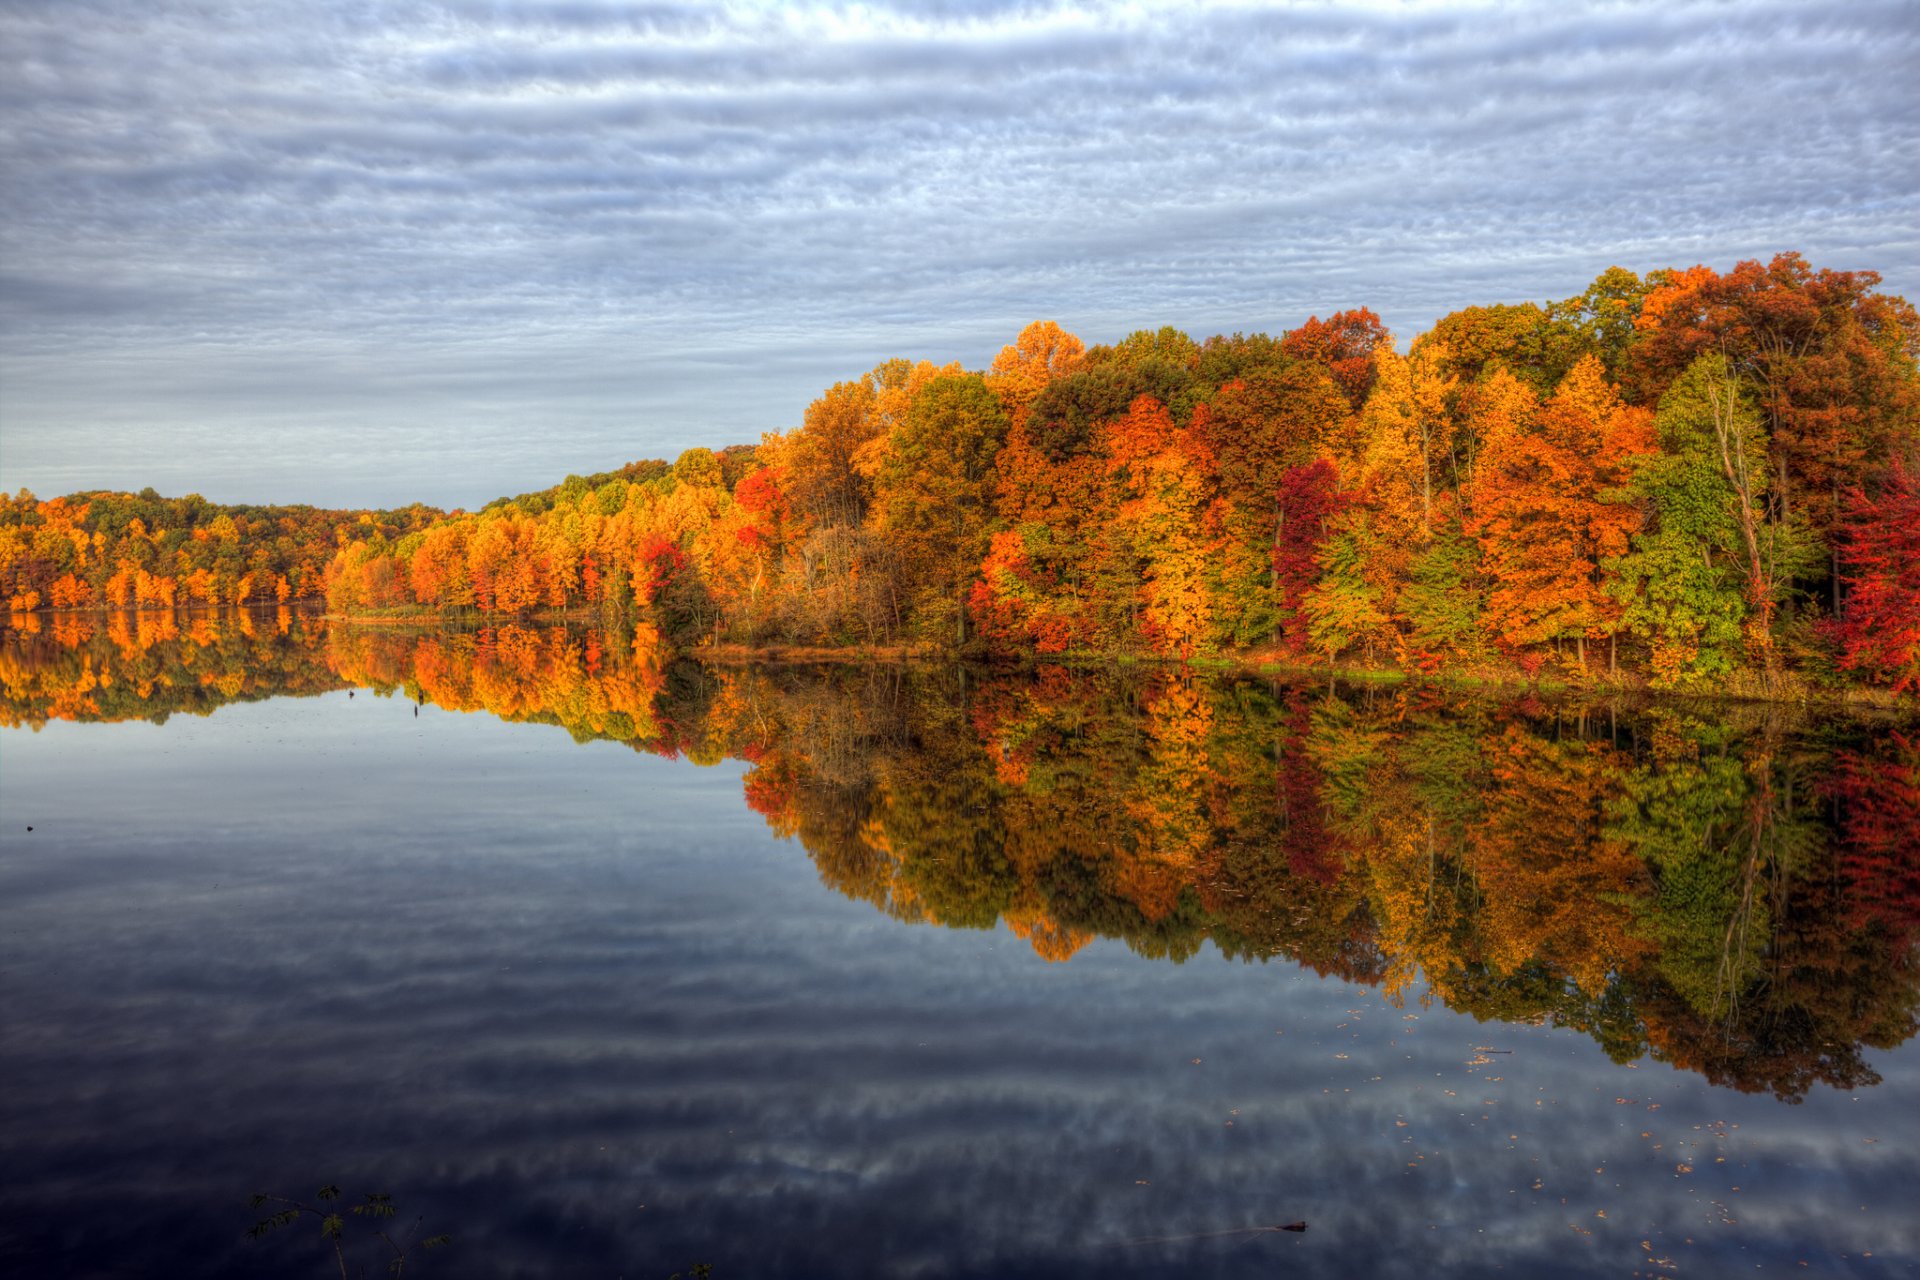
x=108, y=550
x=1702, y=479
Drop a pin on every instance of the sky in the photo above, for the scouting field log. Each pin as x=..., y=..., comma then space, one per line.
x=366, y=253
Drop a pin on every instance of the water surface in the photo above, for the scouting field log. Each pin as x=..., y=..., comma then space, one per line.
x=608, y=967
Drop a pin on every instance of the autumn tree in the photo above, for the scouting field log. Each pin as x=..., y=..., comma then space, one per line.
x=1309, y=500
x=1042, y=354
x=1161, y=546
x=1709, y=559
x=822, y=478
x=1831, y=362
x=1880, y=627
x=1444, y=599
x=1549, y=511
x=1345, y=606
x=1404, y=429
x=1518, y=338
x=938, y=487
x=1600, y=321
x=1266, y=422
x=1345, y=344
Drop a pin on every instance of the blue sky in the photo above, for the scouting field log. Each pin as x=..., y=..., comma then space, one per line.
x=369, y=253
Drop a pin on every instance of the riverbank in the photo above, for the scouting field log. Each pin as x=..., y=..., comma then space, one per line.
x=1784, y=688
x=1551, y=679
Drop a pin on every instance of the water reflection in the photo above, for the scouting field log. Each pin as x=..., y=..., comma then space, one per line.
x=1734, y=891
x=147, y=666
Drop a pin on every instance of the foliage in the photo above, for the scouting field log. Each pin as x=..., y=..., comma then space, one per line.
x=120, y=550
x=1880, y=624
x=1504, y=485
x=375, y=1207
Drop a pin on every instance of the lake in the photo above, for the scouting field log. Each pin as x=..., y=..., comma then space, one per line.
x=609, y=966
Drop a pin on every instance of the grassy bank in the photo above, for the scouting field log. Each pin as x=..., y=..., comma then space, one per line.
x=1553, y=679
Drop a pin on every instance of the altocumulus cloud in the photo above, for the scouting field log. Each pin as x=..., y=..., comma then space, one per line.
x=353, y=253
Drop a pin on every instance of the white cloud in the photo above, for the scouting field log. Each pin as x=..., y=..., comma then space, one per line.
x=229, y=232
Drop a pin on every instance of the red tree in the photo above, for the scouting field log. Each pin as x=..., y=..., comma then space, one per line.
x=1309, y=498
x=1344, y=343
x=1880, y=627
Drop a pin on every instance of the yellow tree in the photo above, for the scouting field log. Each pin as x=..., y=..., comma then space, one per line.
x=1404, y=430
x=1042, y=353
x=825, y=483
x=1160, y=531
x=896, y=385
x=1493, y=412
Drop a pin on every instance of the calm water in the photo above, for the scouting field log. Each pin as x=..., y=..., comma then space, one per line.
x=607, y=968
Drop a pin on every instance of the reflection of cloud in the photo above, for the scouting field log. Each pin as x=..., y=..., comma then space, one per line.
x=542, y=985
x=232, y=234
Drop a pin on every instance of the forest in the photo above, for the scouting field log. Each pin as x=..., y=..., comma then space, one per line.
x=104, y=550
x=1737, y=894
x=1691, y=480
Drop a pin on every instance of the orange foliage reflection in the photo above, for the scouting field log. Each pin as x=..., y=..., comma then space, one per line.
x=1656, y=880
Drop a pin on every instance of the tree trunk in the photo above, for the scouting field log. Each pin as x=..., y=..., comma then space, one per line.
x=1273, y=562
x=1834, y=538
x=1426, y=484
x=1734, y=466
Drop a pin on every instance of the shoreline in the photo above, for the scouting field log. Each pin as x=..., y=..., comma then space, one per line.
x=1255, y=663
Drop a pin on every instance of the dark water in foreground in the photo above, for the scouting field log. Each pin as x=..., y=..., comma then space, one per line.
x=607, y=968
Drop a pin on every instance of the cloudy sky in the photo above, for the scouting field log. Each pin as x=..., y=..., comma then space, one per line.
x=366, y=253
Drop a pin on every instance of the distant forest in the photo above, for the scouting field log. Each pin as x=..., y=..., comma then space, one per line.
x=1695, y=479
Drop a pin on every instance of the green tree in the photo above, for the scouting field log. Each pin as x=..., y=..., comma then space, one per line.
x=1443, y=600
x=937, y=491
x=1343, y=609
x=1714, y=567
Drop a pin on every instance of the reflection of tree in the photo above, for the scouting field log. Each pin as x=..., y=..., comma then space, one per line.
x=1879, y=793
x=1768, y=980
x=1555, y=890
x=1415, y=882
x=593, y=686
x=1733, y=894
x=148, y=666
x=1655, y=884
x=1716, y=823
x=1274, y=881
x=1827, y=991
